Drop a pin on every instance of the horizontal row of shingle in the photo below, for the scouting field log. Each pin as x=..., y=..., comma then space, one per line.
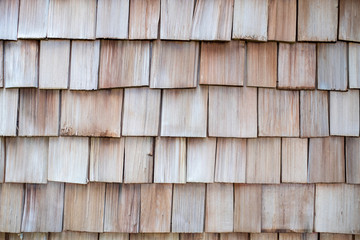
x=215, y=111
x=188, y=208
x=177, y=160
x=88, y=65
x=260, y=20
x=177, y=236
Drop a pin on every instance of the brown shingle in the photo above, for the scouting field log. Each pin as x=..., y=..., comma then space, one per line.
x=9, y=14
x=352, y=160
x=335, y=236
x=354, y=65
x=349, y=20
x=113, y=236
x=234, y=236
x=33, y=17
x=263, y=236
x=73, y=236
x=8, y=111
x=155, y=236
x=12, y=200
x=2, y=159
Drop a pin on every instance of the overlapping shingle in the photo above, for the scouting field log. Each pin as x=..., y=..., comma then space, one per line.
x=348, y=20
x=9, y=16
x=354, y=65
x=352, y=160
x=8, y=111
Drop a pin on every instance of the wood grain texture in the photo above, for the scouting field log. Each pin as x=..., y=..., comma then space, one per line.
x=2, y=159
x=200, y=158
x=349, y=19
x=79, y=199
x=21, y=63
x=184, y=112
x=124, y=64
x=39, y=112
x=84, y=65
x=72, y=19
x=234, y=236
x=298, y=236
x=263, y=160
x=1, y=64
x=9, y=14
x=144, y=19
x=113, y=236
x=106, y=159
x=174, y=64
x=209, y=14
x=278, y=113
x=188, y=208
x=297, y=66
x=12, y=200
x=250, y=20
x=247, y=208
x=354, y=65
x=335, y=236
x=54, y=64
x=332, y=66
x=170, y=160
x=219, y=207
x=326, y=160
x=294, y=158
x=199, y=236
x=174, y=26
x=340, y=203
x=34, y=236
x=282, y=210
x=139, y=159
x=8, y=111
x=314, y=113
x=43, y=209
x=85, y=113
x=232, y=112
x=68, y=159
x=230, y=160
x=33, y=17
x=155, y=236
x=141, y=116
x=317, y=20
x=344, y=113
x=352, y=160
x=122, y=208
x=155, y=208
x=73, y=236
x=263, y=236
x=282, y=20
x=26, y=160
x=112, y=19
x=222, y=63
x=261, y=64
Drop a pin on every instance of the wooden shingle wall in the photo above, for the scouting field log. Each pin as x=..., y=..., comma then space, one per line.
x=180, y=119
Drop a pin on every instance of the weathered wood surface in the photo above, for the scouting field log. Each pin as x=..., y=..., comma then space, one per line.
x=314, y=114
x=8, y=111
x=230, y=160
x=262, y=64
x=349, y=20
x=12, y=200
x=155, y=208
x=124, y=64
x=113, y=236
x=32, y=236
x=54, y=64
x=208, y=14
x=43, y=208
x=2, y=159
x=122, y=208
x=112, y=19
x=263, y=236
x=174, y=64
x=85, y=113
x=72, y=19
x=144, y=19
x=232, y=112
x=84, y=65
x=73, y=236
x=1, y=64
x=317, y=20
x=188, y=208
x=247, y=208
x=344, y=113
x=174, y=26
x=337, y=208
x=219, y=208
x=294, y=160
x=282, y=20
x=199, y=236
x=33, y=17
x=170, y=160
x=84, y=207
x=297, y=66
x=263, y=160
x=234, y=236
x=21, y=63
x=250, y=20
x=106, y=159
x=9, y=15
x=184, y=112
x=26, y=160
x=335, y=236
x=353, y=160
x=155, y=236
x=68, y=159
x=278, y=113
x=298, y=236
x=326, y=160
x=354, y=65
x=141, y=114
x=282, y=210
